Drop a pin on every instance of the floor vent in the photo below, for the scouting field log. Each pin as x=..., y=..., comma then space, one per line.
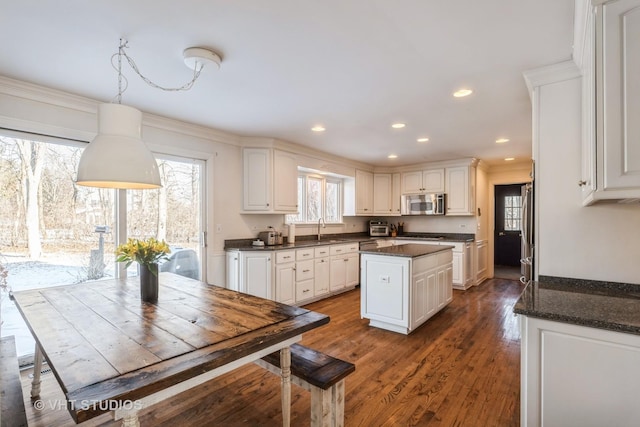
x=42, y=372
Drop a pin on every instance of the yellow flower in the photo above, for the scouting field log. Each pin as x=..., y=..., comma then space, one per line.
x=144, y=252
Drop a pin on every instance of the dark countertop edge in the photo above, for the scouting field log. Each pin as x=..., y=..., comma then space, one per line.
x=581, y=321
x=583, y=284
x=336, y=239
x=421, y=250
x=593, y=288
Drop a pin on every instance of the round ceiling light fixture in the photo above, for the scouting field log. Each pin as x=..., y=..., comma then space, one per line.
x=392, y=156
x=508, y=159
x=460, y=93
x=318, y=128
x=198, y=57
x=398, y=125
x=502, y=140
x=422, y=139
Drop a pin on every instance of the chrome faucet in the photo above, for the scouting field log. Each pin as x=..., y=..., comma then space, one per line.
x=323, y=226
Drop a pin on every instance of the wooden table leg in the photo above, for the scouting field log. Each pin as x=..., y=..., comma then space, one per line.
x=37, y=369
x=285, y=366
x=131, y=421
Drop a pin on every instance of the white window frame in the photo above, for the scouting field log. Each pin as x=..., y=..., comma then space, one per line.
x=303, y=203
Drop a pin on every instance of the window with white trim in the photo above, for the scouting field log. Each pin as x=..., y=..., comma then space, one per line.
x=318, y=197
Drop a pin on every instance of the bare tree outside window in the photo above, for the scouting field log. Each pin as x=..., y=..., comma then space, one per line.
x=318, y=197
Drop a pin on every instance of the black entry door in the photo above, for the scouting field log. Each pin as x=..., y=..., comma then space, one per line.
x=508, y=224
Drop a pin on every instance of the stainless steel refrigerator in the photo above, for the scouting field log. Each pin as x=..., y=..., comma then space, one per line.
x=528, y=246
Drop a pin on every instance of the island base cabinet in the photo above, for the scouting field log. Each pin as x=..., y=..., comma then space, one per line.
x=386, y=296
x=578, y=376
x=399, y=294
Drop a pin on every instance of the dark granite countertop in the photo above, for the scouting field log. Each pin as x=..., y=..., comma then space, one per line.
x=301, y=242
x=333, y=239
x=408, y=251
x=601, y=305
x=445, y=237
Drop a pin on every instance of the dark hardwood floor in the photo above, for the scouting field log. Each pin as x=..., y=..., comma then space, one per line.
x=461, y=368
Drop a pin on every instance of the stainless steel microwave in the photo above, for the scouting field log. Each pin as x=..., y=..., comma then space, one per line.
x=422, y=204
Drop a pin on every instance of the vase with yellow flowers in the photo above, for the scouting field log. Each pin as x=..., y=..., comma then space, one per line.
x=147, y=253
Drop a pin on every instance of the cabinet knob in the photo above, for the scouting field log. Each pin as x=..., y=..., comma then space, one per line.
x=582, y=183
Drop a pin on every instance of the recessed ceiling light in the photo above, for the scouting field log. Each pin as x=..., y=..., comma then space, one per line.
x=502, y=140
x=318, y=128
x=423, y=139
x=392, y=156
x=508, y=159
x=462, y=93
x=398, y=125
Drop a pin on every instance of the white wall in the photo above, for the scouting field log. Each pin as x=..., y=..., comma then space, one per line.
x=596, y=242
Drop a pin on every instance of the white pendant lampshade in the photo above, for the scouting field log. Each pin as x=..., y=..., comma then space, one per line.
x=117, y=157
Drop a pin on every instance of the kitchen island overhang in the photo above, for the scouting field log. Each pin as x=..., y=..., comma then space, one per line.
x=403, y=286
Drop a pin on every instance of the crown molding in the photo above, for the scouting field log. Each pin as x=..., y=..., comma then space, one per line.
x=554, y=73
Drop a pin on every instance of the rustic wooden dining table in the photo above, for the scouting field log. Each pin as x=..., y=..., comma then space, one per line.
x=111, y=352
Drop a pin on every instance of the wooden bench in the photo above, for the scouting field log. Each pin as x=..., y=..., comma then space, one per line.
x=12, y=410
x=320, y=374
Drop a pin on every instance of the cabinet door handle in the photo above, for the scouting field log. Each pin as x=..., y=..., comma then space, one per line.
x=305, y=254
x=286, y=257
x=321, y=260
x=306, y=290
x=346, y=259
x=582, y=183
x=305, y=271
x=293, y=268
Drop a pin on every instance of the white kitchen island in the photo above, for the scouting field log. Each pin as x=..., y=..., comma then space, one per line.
x=403, y=286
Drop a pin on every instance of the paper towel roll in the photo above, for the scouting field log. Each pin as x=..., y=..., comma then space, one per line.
x=291, y=237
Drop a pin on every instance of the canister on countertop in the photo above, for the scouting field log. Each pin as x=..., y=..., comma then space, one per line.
x=291, y=237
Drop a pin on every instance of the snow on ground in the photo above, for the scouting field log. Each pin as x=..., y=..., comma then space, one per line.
x=51, y=270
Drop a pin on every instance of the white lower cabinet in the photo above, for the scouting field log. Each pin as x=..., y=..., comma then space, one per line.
x=321, y=276
x=462, y=270
x=344, y=269
x=400, y=293
x=481, y=261
x=307, y=274
x=577, y=376
x=255, y=273
x=285, y=277
x=233, y=270
x=305, y=289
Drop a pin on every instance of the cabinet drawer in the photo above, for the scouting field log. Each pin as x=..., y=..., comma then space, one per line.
x=304, y=290
x=340, y=249
x=285, y=256
x=322, y=252
x=304, y=254
x=354, y=247
x=304, y=270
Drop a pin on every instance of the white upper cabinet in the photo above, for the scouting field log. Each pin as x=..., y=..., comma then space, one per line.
x=460, y=190
x=395, y=194
x=426, y=181
x=285, y=181
x=270, y=181
x=386, y=194
x=611, y=157
x=364, y=193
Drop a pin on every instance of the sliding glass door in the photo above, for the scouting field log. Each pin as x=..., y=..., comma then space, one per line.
x=54, y=232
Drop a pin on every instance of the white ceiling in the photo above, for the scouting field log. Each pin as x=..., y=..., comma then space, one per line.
x=354, y=66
